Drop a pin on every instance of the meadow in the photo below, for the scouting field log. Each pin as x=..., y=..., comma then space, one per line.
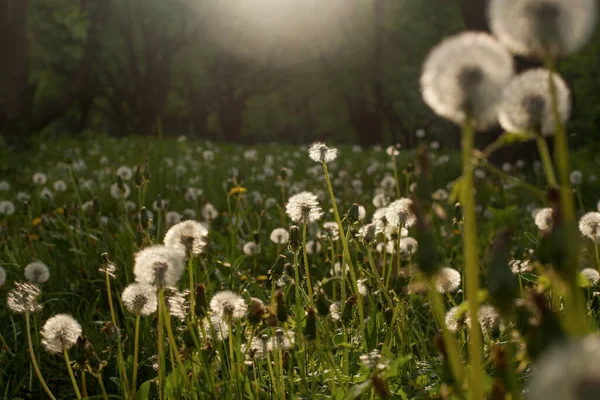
x=145, y=268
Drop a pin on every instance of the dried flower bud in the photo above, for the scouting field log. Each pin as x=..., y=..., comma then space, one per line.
x=310, y=329
x=282, y=313
x=256, y=310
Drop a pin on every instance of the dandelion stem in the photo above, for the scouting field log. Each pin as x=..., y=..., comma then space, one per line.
x=377, y=278
x=546, y=160
x=135, y=356
x=307, y=267
x=102, y=388
x=192, y=291
x=160, y=344
x=471, y=260
x=5, y=346
x=122, y=370
x=33, y=359
x=575, y=318
x=71, y=375
x=396, y=176
x=172, y=343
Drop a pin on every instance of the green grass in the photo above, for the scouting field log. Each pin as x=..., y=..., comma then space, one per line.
x=325, y=363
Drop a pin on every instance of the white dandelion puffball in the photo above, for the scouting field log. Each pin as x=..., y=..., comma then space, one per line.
x=125, y=172
x=283, y=340
x=228, y=304
x=178, y=304
x=455, y=319
x=39, y=179
x=60, y=186
x=464, y=76
x=408, y=246
x=591, y=275
x=140, y=299
x=172, y=218
x=399, y=213
x=319, y=152
x=36, y=272
x=159, y=266
x=576, y=177
x=279, y=236
x=4, y=186
x=589, y=225
x=23, y=298
x=7, y=207
x=303, y=208
x=60, y=333
x=209, y=212
x=214, y=326
x=188, y=236
x=527, y=103
x=251, y=248
x=2, y=276
x=447, y=280
x=313, y=247
x=567, y=371
x=534, y=28
x=118, y=193
x=544, y=219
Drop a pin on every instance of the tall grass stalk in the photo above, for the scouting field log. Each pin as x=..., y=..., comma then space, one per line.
x=307, y=268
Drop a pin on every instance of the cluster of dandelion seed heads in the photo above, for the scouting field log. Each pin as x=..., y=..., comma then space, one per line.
x=36, y=272
x=535, y=28
x=60, y=333
x=228, y=305
x=319, y=152
x=457, y=318
x=23, y=298
x=140, y=299
x=464, y=76
x=567, y=371
x=447, y=280
x=399, y=213
x=188, y=236
x=159, y=266
x=589, y=225
x=280, y=236
x=303, y=208
x=527, y=103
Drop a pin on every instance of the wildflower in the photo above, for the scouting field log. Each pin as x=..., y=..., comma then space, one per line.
x=380, y=200
x=440, y=195
x=319, y=152
x=22, y=298
x=544, y=219
x=60, y=333
x=303, y=208
x=331, y=230
x=399, y=213
x=228, y=304
x=188, y=236
x=279, y=236
x=408, y=246
x=2, y=276
x=589, y=225
x=178, y=303
x=367, y=233
x=534, y=28
x=140, y=299
x=283, y=340
x=567, y=371
x=519, y=266
x=576, y=177
x=393, y=151
x=159, y=266
x=172, y=218
x=36, y=272
x=489, y=319
x=313, y=247
x=256, y=348
x=60, y=186
x=464, y=76
x=216, y=326
x=7, y=207
x=455, y=319
x=39, y=179
x=592, y=275
x=527, y=104
x=125, y=172
x=334, y=312
x=209, y=212
x=47, y=194
x=362, y=287
x=4, y=186
x=120, y=192
x=388, y=183
x=251, y=248
x=447, y=280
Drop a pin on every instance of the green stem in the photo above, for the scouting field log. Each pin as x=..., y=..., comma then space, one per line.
x=160, y=345
x=102, y=388
x=471, y=259
x=307, y=267
x=33, y=359
x=173, y=343
x=71, y=375
x=396, y=176
x=135, y=356
x=192, y=288
x=122, y=370
x=546, y=159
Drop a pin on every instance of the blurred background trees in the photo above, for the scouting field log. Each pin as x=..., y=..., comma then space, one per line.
x=239, y=70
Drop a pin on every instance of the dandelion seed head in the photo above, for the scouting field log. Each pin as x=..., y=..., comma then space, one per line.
x=125, y=172
x=4, y=186
x=140, y=299
x=455, y=319
x=178, y=303
x=108, y=268
x=592, y=275
x=576, y=177
x=228, y=304
x=280, y=236
x=36, y=272
x=399, y=213
x=60, y=186
x=7, y=207
x=408, y=246
x=159, y=266
x=589, y=225
x=209, y=212
x=464, y=75
x=251, y=248
x=319, y=152
x=23, y=298
x=334, y=312
x=187, y=236
x=533, y=28
x=313, y=247
x=567, y=371
x=172, y=218
x=216, y=327
x=544, y=219
x=39, y=179
x=526, y=104
x=283, y=340
x=331, y=230
x=304, y=208
x=256, y=348
x=120, y=193
x=448, y=280
x=367, y=233
x=60, y=333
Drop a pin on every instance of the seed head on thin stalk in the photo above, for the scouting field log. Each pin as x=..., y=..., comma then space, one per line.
x=535, y=28
x=527, y=105
x=447, y=280
x=544, y=219
x=319, y=152
x=228, y=304
x=60, y=333
x=36, y=272
x=159, y=266
x=400, y=215
x=591, y=275
x=23, y=298
x=589, y=225
x=304, y=208
x=279, y=236
x=464, y=76
x=140, y=299
x=189, y=236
